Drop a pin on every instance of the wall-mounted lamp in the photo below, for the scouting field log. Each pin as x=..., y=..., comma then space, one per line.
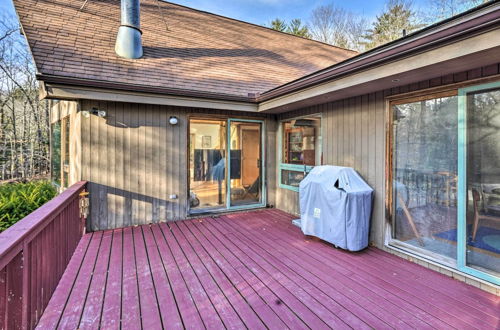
x=94, y=111
x=173, y=120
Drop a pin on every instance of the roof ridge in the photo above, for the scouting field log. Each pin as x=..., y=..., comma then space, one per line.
x=258, y=26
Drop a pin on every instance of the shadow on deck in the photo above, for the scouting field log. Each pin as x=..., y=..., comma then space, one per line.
x=252, y=270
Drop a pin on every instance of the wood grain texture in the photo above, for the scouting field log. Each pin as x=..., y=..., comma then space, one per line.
x=134, y=159
x=253, y=270
x=34, y=254
x=354, y=134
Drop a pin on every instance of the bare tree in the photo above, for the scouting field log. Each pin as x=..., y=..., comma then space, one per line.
x=442, y=9
x=336, y=26
x=24, y=128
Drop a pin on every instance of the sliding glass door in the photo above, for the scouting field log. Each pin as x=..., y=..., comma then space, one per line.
x=424, y=173
x=245, y=184
x=217, y=145
x=207, y=153
x=445, y=178
x=479, y=181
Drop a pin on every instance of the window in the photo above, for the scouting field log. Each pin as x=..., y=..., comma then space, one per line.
x=444, y=178
x=65, y=151
x=479, y=249
x=55, y=159
x=424, y=174
x=300, y=149
x=60, y=152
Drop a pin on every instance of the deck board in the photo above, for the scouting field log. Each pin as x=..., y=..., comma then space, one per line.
x=187, y=308
x=303, y=298
x=456, y=309
x=150, y=311
x=76, y=302
x=166, y=300
x=224, y=308
x=130, y=310
x=324, y=283
x=205, y=306
x=91, y=316
x=239, y=279
x=242, y=309
x=252, y=270
x=111, y=309
x=264, y=298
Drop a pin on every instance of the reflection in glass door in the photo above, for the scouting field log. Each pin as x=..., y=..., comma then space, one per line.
x=207, y=155
x=245, y=184
x=479, y=170
x=424, y=176
x=210, y=188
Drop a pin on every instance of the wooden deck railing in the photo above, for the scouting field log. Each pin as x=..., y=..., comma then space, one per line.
x=33, y=256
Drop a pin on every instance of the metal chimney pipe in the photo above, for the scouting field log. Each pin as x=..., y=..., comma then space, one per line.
x=129, y=41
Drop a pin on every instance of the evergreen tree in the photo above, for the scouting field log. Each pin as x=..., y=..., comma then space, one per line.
x=278, y=25
x=296, y=28
x=398, y=18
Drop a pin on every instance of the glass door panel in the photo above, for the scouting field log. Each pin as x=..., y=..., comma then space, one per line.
x=482, y=225
x=245, y=184
x=425, y=176
x=207, y=163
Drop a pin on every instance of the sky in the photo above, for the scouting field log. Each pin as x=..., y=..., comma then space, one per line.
x=262, y=12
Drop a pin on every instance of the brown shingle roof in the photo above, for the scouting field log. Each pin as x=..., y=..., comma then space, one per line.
x=199, y=51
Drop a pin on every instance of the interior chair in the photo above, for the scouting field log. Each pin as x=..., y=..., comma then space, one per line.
x=253, y=189
x=476, y=198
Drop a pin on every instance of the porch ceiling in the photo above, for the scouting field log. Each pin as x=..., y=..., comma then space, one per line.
x=252, y=270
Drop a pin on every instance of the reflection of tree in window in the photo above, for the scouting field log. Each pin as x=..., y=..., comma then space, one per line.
x=425, y=172
x=65, y=155
x=56, y=153
x=483, y=180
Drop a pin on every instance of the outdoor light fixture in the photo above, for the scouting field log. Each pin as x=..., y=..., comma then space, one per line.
x=395, y=80
x=94, y=111
x=173, y=120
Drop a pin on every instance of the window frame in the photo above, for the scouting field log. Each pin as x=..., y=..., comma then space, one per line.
x=296, y=167
x=462, y=182
x=56, y=181
x=64, y=149
x=390, y=239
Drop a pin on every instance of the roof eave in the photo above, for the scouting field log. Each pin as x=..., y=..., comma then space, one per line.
x=108, y=85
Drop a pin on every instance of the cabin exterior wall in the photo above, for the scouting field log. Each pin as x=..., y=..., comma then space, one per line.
x=354, y=135
x=134, y=160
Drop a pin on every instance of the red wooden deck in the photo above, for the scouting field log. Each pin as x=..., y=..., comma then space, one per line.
x=252, y=270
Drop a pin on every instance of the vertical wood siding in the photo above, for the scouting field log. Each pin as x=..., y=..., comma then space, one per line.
x=133, y=160
x=354, y=135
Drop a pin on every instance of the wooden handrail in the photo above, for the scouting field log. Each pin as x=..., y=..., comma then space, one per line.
x=34, y=253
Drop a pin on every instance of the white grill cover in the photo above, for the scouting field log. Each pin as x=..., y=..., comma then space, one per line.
x=335, y=205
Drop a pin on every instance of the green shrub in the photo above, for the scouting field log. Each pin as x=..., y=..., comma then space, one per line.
x=17, y=200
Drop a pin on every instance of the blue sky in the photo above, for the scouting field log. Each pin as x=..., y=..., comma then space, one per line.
x=263, y=11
